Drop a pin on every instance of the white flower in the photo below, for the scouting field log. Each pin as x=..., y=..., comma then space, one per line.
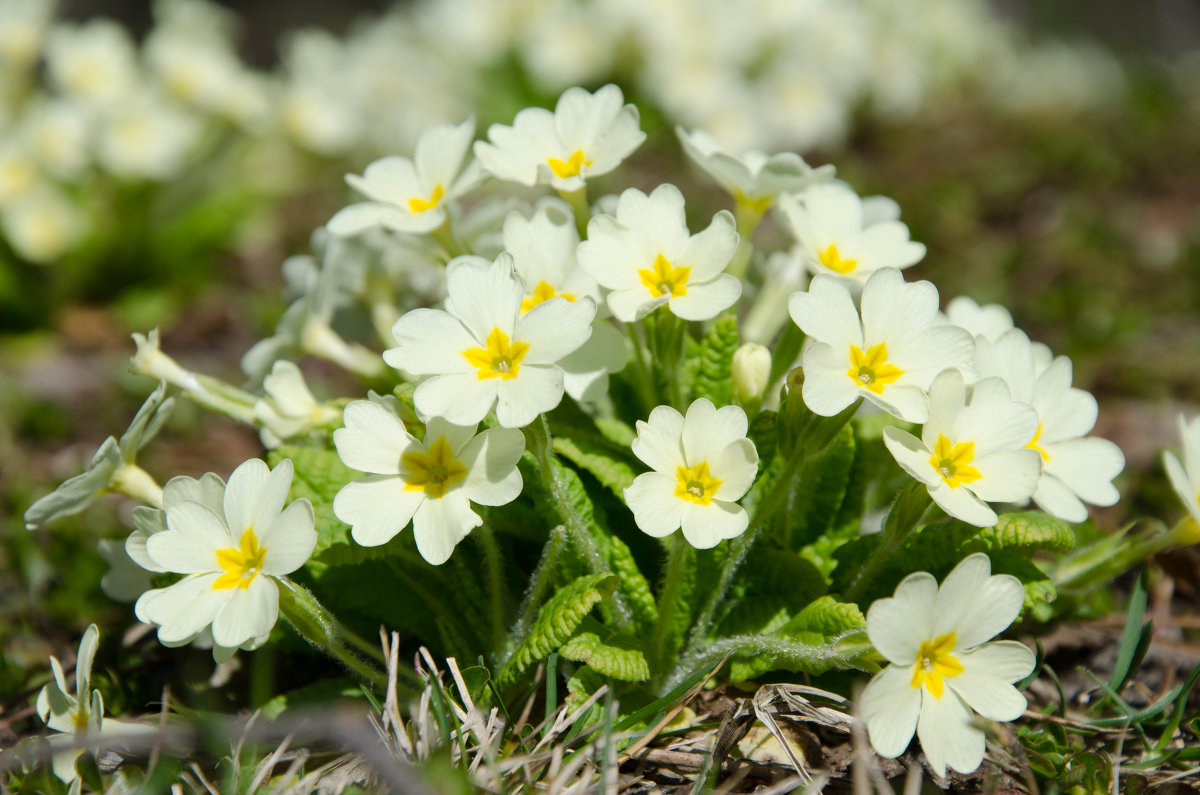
x=141, y=136
x=846, y=236
x=18, y=173
x=44, y=224
x=232, y=552
x=543, y=250
x=755, y=178
x=587, y=135
x=888, y=356
x=77, y=713
x=703, y=463
x=972, y=450
x=22, y=29
x=1185, y=477
x=430, y=483
x=410, y=195
x=482, y=352
x=989, y=321
x=289, y=409
x=942, y=667
x=95, y=61
x=56, y=134
x=1076, y=468
x=646, y=256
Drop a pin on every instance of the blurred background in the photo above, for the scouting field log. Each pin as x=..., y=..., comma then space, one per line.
x=158, y=163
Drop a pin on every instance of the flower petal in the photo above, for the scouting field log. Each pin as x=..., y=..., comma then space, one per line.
x=440, y=524
x=898, y=625
x=947, y=736
x=247, y=613
x=491, y=461
x=656, y=509
x=890, y=706
x=376, y=508
x=705, y=526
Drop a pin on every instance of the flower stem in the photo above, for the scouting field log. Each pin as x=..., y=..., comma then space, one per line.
x=678, y=553
x=904, y=517
x=540, y=442
x=313, y=622
x=495, y=576
x=445, y=236
x=579, y=204
x=643, y=380
x=667, y=349
x=747, y=216
x=539, y=583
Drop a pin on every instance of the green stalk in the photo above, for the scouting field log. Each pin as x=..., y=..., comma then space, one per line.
x=319, y=627
x=747, y=216
x=539, y=583
x=643, y=380
x=677, y=558
x=667, y=345
x=540, y=443
x=904, y=517
x=579, y=205
x=495, y=576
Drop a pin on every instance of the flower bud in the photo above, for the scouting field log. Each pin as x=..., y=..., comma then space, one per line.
x=751, y=369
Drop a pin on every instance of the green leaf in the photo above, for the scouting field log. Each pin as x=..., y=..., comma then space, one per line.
x=1026, y=531
x=634, y=585
x=318, y=472
x=820, y=490
x=613, y=471
x=1134, y=639
x=772, y=586
x=558, y=619
x=714, y=376
x=612, y=656
x=813, y=633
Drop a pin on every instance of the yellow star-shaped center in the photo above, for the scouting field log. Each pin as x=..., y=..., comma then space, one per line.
x=953, y=462
x=664, y=279
x=935, y=664
x=871, y=370
x=433, y=471
x=500, y=359
x=542, y=293
x=418, y=205
x=242, y=563
x=696, y=484
x=832, y=259
x=569, y=167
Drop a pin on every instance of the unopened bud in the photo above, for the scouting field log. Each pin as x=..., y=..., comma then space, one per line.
x=751, y=369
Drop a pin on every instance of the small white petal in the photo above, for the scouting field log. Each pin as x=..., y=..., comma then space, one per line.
x=890, y=706
x=947, y=736
x=705, y=526
x=377, y=508
x=440, y=524
x=706, y=300
x=898, y=625
x=536, y=389
x=656, y=509
x=247, y=613
x=659, y=440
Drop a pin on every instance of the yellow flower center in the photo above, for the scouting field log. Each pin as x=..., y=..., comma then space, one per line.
x=241, y=563
x=953, y=462
x=1033, y=444
x=421, y=205
x=80, y=717
x=543, y=292
x=871, y=369
x=759, y=205
x=500, y=359
x=664, y=279
x=831, y=259
x=935, y=663
x=434, y=471
x=695, y=484
x=570, y=167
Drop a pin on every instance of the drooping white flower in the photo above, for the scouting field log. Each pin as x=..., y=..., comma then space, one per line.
x=481, y=352
x=409, y=195
x=942, y=669
x=232, y=552
x=703, y=463
x=543, y=251
x=289, y=408
x=845, y=236
x=973, y=448
x=1076, y=468
x=646, y=256
x=587, y=135
x=754, y=178
x=112, y=468
x=888, y=353
x=1185, y=477
x=79, y=712
x=430, y=483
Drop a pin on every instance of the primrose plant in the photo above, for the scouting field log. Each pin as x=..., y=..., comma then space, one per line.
x=565, y=446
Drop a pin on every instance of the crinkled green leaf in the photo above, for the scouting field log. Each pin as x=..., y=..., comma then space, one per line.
x=714, y=375
x=771, y=587
x=558, y=619
x=819, y=492
x=616, y=657
x=810, y=642
x=633, y=584
x=613, y=471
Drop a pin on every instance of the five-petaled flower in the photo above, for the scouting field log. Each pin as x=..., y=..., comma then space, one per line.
x=888, y=352
x=973, y=449
x=410, y=195
x=703, y=463
x=232, y=541
x=431, y=483
x=483, y=352
x=1185, y=477
x=586, y=135
x=942, y=667
x=647, y=258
